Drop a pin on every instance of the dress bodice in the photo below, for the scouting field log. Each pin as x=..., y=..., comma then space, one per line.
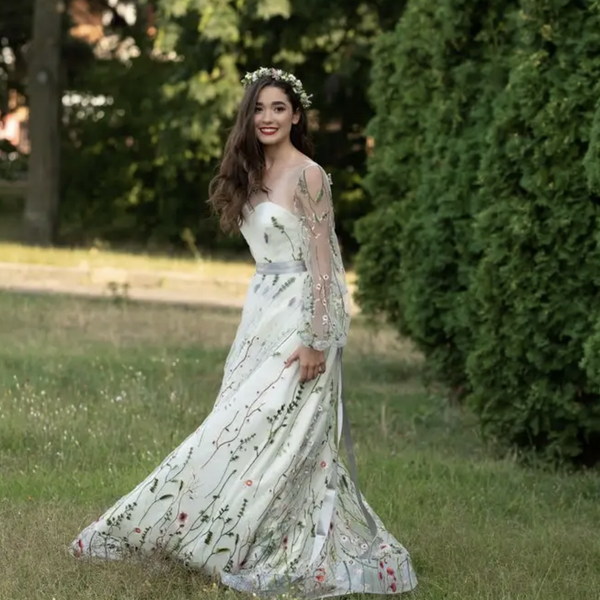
x=303, y=229
x=272, y=233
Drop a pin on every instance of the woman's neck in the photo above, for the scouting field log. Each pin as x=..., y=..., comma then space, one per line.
x=279, y=155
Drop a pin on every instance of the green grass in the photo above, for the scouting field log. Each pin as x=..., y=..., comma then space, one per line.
x=95, y=258
x=94, y=393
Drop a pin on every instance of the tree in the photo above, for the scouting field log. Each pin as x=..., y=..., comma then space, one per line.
x=44, y=115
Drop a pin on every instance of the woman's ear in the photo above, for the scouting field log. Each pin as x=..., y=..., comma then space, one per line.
x=296, y=117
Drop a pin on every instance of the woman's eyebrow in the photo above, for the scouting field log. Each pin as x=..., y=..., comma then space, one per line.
x=276, y=103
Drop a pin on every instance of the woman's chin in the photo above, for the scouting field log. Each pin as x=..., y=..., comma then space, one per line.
x=269, y=140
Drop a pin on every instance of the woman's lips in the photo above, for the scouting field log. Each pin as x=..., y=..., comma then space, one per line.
x=268, y=130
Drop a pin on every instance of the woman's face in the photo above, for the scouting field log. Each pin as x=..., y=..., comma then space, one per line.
x=274, y=116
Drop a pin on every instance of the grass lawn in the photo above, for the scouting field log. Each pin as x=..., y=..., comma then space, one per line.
x=94, y=393
x=95, y=258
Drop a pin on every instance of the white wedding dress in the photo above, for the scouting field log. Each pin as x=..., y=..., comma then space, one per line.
x=257, y=496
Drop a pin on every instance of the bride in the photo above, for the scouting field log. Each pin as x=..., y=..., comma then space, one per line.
x=257, y=496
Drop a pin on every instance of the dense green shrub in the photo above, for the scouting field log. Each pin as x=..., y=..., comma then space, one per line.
x=493, y=266
x=434, y=80
x=537, y=285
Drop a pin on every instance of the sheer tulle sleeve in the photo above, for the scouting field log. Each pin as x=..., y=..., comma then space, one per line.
x=325, y=302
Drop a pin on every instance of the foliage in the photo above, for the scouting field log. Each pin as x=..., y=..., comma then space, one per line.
x=434, y=80
x=537, y=285
x=13, y=164
x=187, y=80
x=495, y=255
x=15, y=26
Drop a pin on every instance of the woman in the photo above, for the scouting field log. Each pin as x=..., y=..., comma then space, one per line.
x=256, y=495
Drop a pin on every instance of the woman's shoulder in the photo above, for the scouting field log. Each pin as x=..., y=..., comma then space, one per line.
x=310, y=171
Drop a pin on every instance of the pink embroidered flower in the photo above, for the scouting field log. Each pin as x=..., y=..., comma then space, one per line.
x=380, y=575
x=323, y=464
x=393, y=586
x=249, y=482
x=183, y=517
x=320, y=577
x=138, y=530
x=381, y=564
x=390, y=571
x=80, y=543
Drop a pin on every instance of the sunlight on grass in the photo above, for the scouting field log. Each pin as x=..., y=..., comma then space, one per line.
x=95, y=393
x=96, y=258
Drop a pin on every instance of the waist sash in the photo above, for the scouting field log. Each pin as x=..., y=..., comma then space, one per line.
x=281, y=268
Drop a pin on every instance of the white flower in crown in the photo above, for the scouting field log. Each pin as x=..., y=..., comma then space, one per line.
x=279, y=75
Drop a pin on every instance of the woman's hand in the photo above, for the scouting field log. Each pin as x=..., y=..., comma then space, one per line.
x=312, y=362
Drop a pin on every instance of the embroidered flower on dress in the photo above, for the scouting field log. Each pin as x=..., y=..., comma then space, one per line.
x=249, y=482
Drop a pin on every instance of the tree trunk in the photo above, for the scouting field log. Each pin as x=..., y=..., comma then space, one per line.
x=44, y=119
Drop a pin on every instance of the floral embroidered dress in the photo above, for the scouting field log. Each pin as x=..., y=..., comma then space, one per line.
x=257, y=496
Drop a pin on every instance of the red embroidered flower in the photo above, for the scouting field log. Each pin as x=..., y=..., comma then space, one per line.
x=380, y=575
x=249, y=482
x=183, y=517
x=390, y=571
x=393, y=586
x=138, y=530
x=323, y=464
x=80, y=544
x=320, y=577
x=381, y=564
x=285, y=540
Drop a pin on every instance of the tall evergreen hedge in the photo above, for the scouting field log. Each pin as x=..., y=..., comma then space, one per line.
x=484, y=244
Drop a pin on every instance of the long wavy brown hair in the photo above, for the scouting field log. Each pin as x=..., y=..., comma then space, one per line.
x=242, y=167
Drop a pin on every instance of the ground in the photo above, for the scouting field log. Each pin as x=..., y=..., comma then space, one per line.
x=95, y=392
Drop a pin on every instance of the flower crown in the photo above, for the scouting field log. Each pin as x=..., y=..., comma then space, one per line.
x=279, y=75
